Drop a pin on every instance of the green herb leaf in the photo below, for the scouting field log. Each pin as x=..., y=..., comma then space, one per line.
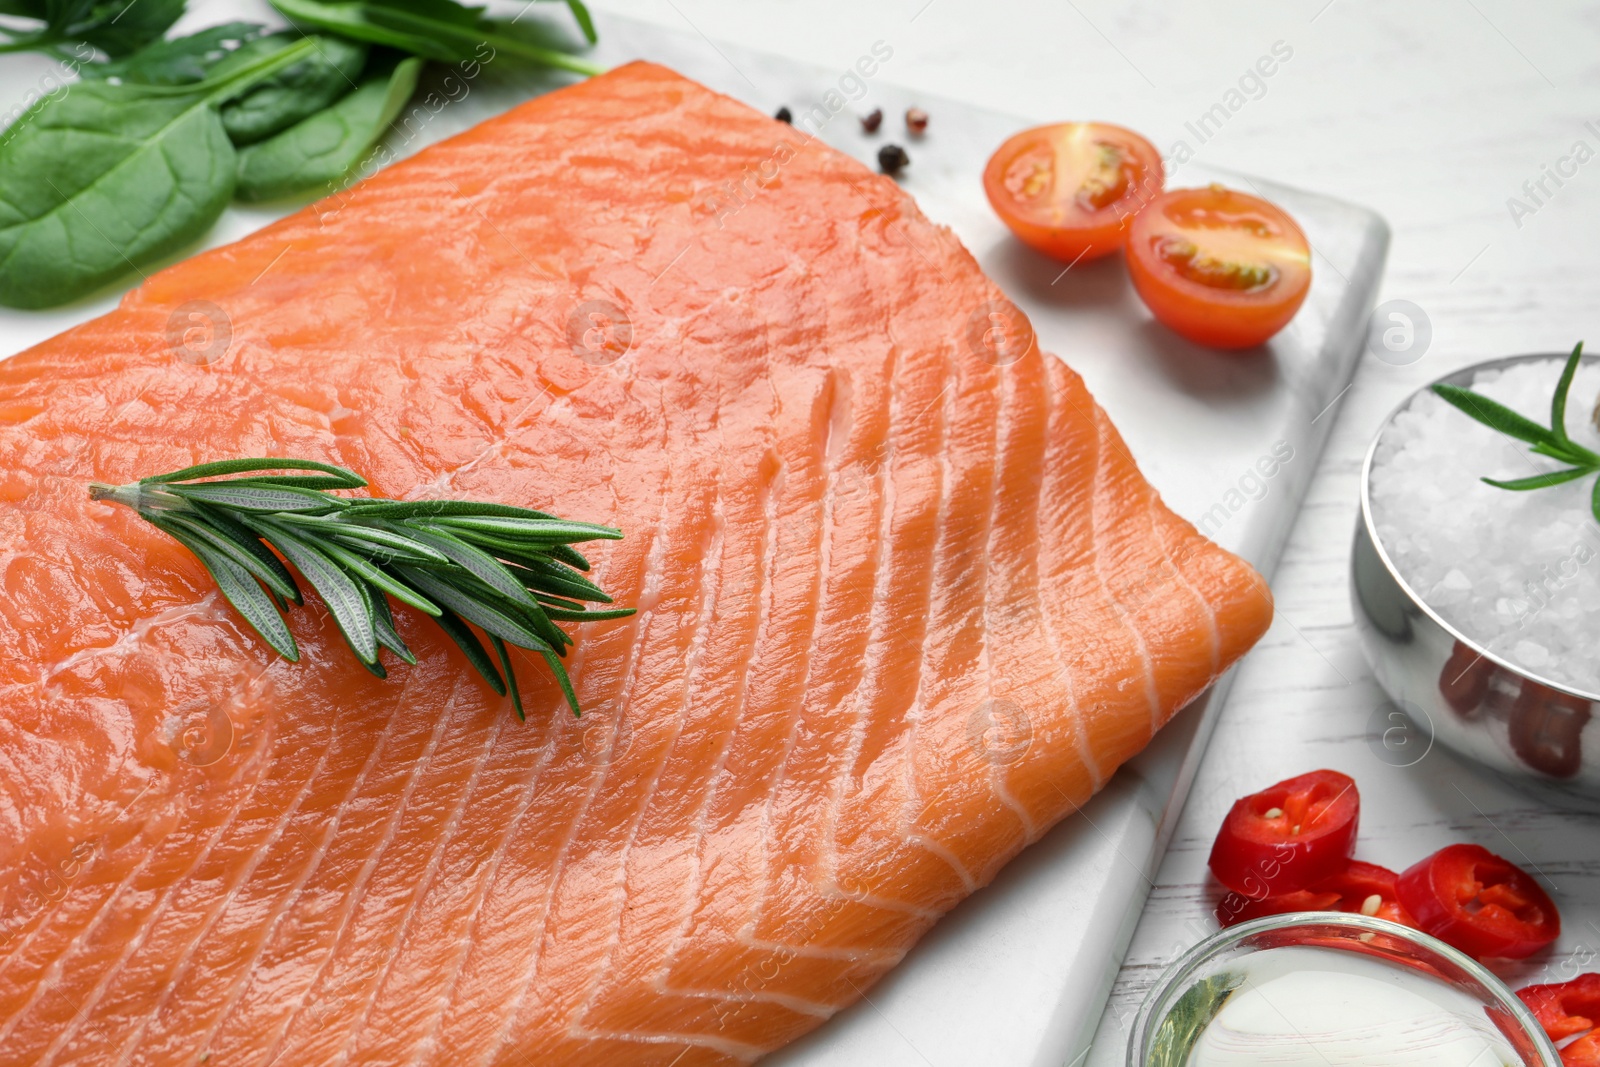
x=1496, y=415
x=388, y=636
x=330, y=72
x=552, y=530
x=459, y=632
x=248, y=540
x=1177, y=1033
x=241, y=591
x=511, y=676
x=1554, y=442
x=552, y=577
x=514, y=588
x=584, y=19
x=581, y=615
x=319, y=152
x=389, y=546
x=255, y=497
x=1558, y=402
x=1570, y=452
x=486, y=614
x=347, y=478
x=275, y=578
x=477, y=563
x=374, y=575
x=369, y=607
x=337, y=590
x=568, y=555
x=1540, y=481
x=562, y=680
x=428, y=509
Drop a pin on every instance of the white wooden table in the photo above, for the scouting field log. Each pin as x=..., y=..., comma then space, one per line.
x=1433, y=112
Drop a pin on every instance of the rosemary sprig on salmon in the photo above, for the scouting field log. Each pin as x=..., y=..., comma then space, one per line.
x=510, y=571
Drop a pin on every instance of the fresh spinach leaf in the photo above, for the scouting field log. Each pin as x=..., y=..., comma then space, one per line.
x=330, y=72
x=180, y=60
x=116, y=27
x=434, y=29
x=102, y=179
x=319, y=152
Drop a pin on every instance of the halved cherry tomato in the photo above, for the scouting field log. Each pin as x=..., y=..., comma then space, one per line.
x=1071, y=190
x=1289, y=836
x=1222, y=268
x=1361, y=888
x=1468, y=897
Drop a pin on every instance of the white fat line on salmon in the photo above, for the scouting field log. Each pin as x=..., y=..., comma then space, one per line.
x=209, y=608
x=1251, y=485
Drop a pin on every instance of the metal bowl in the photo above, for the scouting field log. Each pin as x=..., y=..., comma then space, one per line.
x=1527, y=728
x=1192, y=990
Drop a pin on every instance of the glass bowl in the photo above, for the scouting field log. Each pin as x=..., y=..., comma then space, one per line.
x=1199, y=981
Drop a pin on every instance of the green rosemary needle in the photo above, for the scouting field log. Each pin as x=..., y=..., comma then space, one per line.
x=512, y=572
x=1552, y=441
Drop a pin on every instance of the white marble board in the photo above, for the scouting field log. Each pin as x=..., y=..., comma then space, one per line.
x=1017, y=975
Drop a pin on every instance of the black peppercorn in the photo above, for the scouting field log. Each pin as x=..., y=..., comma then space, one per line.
x=785, y=115
x=892, y=158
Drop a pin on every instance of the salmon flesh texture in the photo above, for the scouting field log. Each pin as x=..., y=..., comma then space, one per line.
x=903, y=605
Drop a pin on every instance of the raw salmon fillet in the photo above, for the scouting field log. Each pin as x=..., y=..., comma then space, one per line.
x=904, y=604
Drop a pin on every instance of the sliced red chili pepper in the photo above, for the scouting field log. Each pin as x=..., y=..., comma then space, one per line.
x=1238, y=908
x=1484, y=905
x=1584, y=1052
x=1565, y=1008
x=1289, y=836
x=1361, y=889
x=1368, y=889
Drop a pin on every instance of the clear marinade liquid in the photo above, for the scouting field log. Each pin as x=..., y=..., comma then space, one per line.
x=1310, y=1007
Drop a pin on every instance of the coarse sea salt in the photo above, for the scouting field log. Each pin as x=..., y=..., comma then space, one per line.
x=1518, y=572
